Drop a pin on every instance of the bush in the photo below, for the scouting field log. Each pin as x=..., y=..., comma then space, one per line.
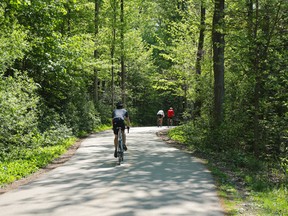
x=192, y=134
x=56, y=135
x=81, y=116
x=18, y=112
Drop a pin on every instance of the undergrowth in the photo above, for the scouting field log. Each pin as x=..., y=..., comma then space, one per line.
x=245, y=183
x=22, y=162
x=31, y=160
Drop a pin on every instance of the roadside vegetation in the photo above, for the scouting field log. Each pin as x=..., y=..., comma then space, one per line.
x=248, y=184
x=22, y=162
x=19, y=164
x=221, y=65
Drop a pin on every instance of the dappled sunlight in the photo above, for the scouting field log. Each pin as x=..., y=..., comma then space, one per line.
x=155, y=179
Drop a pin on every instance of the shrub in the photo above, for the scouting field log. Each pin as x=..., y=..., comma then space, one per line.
x=18, y=112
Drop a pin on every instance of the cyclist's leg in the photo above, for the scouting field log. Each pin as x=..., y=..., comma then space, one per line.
x=115, y=131
x=158, y=120
x=123, y=135
x=120, y=145
x=120, y=137
x=124, y=140
x=115, y=144
x=115, y=140
x=169, y=121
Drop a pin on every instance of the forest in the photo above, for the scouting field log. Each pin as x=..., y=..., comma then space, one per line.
x=221, y=64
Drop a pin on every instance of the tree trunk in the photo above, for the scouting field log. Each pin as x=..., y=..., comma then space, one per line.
x=198, y=102
x=113, y=49
x=218, y=61
x=96, y=80
x=255, y=65
x=123, y=72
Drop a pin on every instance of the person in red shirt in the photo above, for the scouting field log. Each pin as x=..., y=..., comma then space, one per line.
x=170, y=115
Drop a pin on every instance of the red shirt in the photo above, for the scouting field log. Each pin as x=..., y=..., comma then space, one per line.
x=170, y=113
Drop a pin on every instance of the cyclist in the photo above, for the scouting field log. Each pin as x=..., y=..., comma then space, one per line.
x=160, y=116
x=119, y=116
x=170, y=115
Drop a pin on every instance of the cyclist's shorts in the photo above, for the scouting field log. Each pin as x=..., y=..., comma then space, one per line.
x=118, y=122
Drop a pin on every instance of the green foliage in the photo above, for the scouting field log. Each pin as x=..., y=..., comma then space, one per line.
x=55, y=42
x=30, y=160
x=190, y=135
x=13, y=45
x=18, y=112
x=105, y=112
x=15, y=170
x=56, y=135
x=273, y=201
x=178, y=135
x=140, y=78
x=266, y=181
x=226, y=189
x=90, y=119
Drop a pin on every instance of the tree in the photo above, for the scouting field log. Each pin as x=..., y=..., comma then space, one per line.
x=218, y=60
x=122, y=55
x=200, y=53
x=96, y=54
x=112, y=48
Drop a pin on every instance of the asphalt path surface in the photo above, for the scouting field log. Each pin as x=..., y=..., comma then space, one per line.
x=154, y=180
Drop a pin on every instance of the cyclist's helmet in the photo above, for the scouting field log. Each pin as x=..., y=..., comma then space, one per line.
x=119, y=105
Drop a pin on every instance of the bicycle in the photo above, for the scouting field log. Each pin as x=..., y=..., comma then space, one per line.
x=120, y=146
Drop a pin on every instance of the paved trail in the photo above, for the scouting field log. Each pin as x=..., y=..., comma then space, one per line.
x=155, y=180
